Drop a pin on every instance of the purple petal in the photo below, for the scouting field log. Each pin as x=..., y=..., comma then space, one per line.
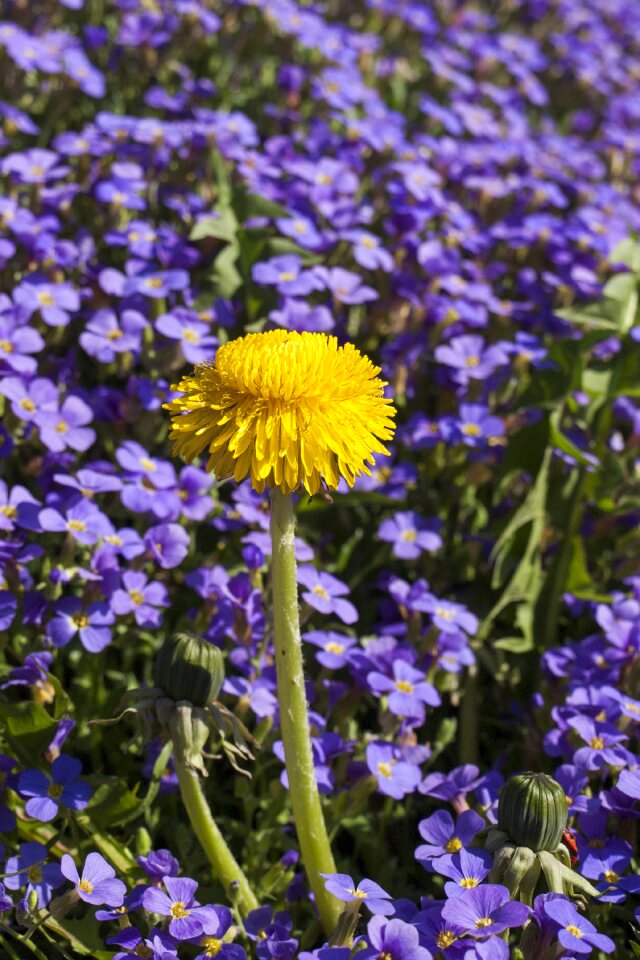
x=65, y=769
x=41, y=808
x=69, y=869
x=181, y=889
x=96, y=869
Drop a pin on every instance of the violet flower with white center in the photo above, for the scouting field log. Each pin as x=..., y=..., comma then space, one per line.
x=443, y=836
x=45, y=795
x=410, y=535
x=97, y=885
x=30, y=867
x=407, y=692
x=342, y=887
x=396, y=778
x=188, y=918
x=325, y=592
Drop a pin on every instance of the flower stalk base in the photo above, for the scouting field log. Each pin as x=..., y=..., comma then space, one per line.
x=294, y=718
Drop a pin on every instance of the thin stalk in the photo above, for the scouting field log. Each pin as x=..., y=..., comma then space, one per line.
x=294, y=718
x=225, y=866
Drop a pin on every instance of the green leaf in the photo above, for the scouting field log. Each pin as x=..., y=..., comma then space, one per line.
x=222, y=226
x=620, y=287
x=247, y=205
x=627, y=252
x=514, y=644
x=226, y=277
x=561, y=442
x=113, y=803
x=578, y=579
x=28, y=729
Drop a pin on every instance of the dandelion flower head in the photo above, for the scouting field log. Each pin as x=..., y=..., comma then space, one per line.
x=286, y=409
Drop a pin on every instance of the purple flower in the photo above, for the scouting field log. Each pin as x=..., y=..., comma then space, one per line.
x=447, y=616
x=97, y=884
x=324, y=593
x=66, y=427
x=33, y=166
x=443, y=836
x=465, y=869
x=91, y=623
x=334, y=647
x=393, y=940
x=602, y=744
x=484, y=911
x=28, y=401
x=395, y=777
x=158, y=946
x=188, y=918
x=16, y=343
x=30, y=868
x=105, y=336
x=410, y=535
x=6, y=903
x=157, y=284
x=83, y=521
x=140, y=597
x=197, y=342
x=55, y=301
x=216, y=925
x=343, y=888
x=168, y=544
x=575, y=932
x=345, y=286
x=470, y=359
x=368, y=251
x=158, y=864
x=63, y=789
x=407, y=692
x=286, y=274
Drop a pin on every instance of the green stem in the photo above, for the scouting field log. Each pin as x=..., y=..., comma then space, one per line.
x=225, y=865
x=294, y=719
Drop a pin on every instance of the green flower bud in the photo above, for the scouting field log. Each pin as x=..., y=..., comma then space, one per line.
x=188, y=668
x=533, y=811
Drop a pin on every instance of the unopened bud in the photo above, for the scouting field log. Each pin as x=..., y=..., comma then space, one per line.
x=532, y=811
x=189, y=668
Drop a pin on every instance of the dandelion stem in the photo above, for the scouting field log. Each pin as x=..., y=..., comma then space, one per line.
x=225, y=866
x=294, y=718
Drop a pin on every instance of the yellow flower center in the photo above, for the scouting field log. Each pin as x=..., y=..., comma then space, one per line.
x=142, y=950
x=80, y=620
x=404, y=686
x=320, y=591
x=191, y=336
x=137, y=598
x=484, y=922
x=61, y=426
x=9, y=510
x=444, y=939
x=633, y=707
x=469, y=882
x=212, y=946
x=286, y=409
x=596, y=743
x=472, y=362
x=333, y=647
x=114, y=334
x=611, y=876
x=113, y=539
x=153, y=282
x=408, y=535
x=574, y=931
x=471, y=430
x=369, y=242
x=178, y=910
x=86, y=886
x=6, y=345
x=34, y=874
x=78, y=525
x=27, y=405
x=384, y=769
x=46, y=299
x=445, y=614
x=286, y=277
x=358, y=894
x=147, y=464
x=453, y=845
x=55, y=791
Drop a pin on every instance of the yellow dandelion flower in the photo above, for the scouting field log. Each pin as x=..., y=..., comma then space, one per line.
x=286, y=409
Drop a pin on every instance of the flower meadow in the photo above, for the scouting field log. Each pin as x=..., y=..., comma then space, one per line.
x=319, y=479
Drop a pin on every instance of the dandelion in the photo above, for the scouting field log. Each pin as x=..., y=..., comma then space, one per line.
x=286, y=409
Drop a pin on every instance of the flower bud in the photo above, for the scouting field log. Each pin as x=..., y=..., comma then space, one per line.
x=533, y=811
x=188, y=668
